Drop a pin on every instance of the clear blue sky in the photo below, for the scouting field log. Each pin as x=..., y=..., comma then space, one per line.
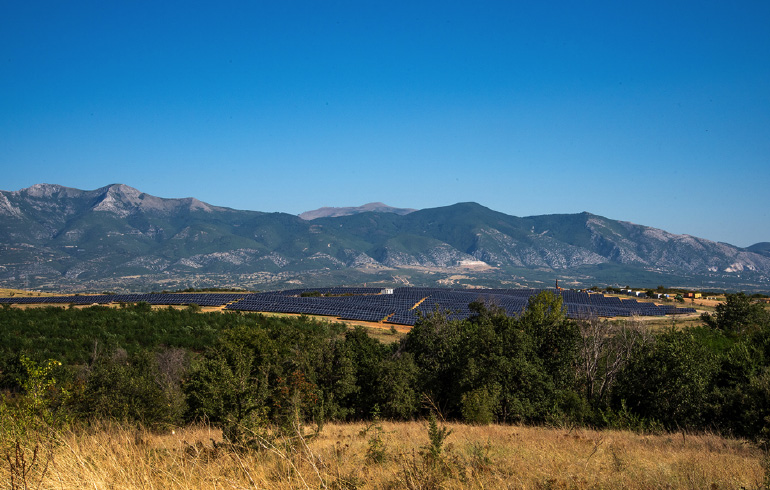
x=652, y=112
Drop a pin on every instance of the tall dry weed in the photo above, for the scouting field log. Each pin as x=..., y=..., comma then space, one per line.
x=123, y=457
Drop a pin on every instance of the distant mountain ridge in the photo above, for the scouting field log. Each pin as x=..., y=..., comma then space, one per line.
x=117, y=198
x=373, y=207
x=118, y=238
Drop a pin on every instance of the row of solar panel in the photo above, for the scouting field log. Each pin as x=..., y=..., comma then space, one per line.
x=366, y=304
x=331, y=290
x=154, y=299
x=455, y=302
x=368, y=299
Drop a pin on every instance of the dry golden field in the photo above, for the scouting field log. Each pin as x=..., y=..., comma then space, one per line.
x=475, y=457
x=6, y=293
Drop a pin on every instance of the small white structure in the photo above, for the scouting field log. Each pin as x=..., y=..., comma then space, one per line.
x=387, y=291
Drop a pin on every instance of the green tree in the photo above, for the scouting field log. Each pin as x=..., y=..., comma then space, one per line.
x=668, y=381
x=739, y=401
x=605, y=349
x=738, y=314
x=130, y=388
x=229, y=388
x=278, y=371
x=385, y=378
x=437, y=346
x=367, y=355
x=496, y=367
x=396, y=388
x=556, y=338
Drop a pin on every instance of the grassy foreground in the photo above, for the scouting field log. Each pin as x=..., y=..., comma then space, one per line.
x=343, y=456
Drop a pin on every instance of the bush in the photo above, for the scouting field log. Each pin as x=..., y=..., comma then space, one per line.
x=132, y=388
x=478, y=406
x=669, y=381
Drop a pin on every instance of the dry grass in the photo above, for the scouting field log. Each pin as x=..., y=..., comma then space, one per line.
x=475, y=457
x=6, y=293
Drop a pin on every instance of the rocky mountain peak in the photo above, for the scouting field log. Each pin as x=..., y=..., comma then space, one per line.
x=123, y=200
x=123, y=190
x=119, y=199
x=42, y=190
x=7, y=208
x=196, y=205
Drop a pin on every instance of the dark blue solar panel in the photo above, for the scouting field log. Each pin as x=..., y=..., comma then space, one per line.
x=368, y=304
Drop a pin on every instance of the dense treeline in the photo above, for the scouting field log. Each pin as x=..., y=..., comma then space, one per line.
x=244, y=372
x=71, y=335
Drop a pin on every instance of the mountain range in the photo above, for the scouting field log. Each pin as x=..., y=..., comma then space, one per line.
x=119, y=238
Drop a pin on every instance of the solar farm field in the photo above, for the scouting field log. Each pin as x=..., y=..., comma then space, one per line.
x=399, y=306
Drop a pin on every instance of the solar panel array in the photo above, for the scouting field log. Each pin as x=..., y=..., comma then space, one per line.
x=346, y=303
x=201, y=299
x=406, y=304
x=403, y=307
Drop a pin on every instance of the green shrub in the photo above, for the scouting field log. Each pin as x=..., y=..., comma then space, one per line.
x=478, y=406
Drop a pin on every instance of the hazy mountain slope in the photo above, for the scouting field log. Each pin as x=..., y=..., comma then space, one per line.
x=762, y=248
x=372, y=207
